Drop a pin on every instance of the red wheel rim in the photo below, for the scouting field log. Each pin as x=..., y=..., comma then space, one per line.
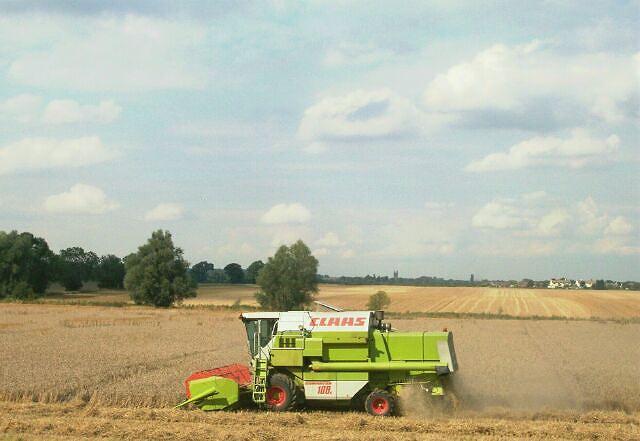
x=380, y=405
x=276, y=396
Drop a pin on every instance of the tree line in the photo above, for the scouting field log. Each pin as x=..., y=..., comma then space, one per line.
x=28, y=266
x=386, y=280
x=205, y=272
x=156, y=274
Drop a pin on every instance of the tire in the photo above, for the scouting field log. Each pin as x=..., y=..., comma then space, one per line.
x=380, y=403
x=282, y=394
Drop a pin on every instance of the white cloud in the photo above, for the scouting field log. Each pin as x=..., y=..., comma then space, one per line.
x=592, y=220
x=165, y=212
x=499, y=215
x=331, y=244
x=45, y=153
x=362, y=115
x=318, y=252
x=519, y=79
x=552, y=223
x=530, y=214
x=578, y=150
x=488, y=80
x=616, y=245
x=284, y=237
x=543, y=225
x=329, y=240
x=80, y=199
x=21, y=108
x=286, y=234
x=70, y=111
x=28, y=109
x=286, y=214
x=619, y=226
x=529, y=225
x=115, y=53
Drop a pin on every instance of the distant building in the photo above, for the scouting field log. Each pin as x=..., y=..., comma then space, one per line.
x=584, y=284
x=559, y=283
x=395, y=275
x=471, y=278
x=612, y=284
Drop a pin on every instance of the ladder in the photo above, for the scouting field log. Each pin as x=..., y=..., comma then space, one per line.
x=260, y=380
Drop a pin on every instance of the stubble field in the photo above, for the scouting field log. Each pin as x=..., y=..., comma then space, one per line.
x=505, y=301
x=90, y=371
x=516, y=302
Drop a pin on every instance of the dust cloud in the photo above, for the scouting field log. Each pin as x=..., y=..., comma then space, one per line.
x=535, y=366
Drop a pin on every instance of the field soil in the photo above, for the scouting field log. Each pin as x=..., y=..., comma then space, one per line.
x=65, y=421
x=71, y=371
x=516, y=302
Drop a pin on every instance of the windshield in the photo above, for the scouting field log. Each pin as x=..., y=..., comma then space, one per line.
x=259, y=333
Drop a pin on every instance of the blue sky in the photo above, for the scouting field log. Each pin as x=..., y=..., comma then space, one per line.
x=433, y=137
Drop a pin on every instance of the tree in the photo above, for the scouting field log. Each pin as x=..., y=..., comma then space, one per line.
x=253, y=270
x=218, y=276
x=234, y=272
x=201, y=271
x=525, y=283
x=157, y=273
x=75, y=266
x=288, y=281
x=378, y=301
x=25, y=264
x=110, y=273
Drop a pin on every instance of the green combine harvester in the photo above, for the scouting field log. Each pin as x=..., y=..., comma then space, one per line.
x=342, y=357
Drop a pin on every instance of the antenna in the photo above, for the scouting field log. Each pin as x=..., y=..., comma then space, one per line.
x=326, y=305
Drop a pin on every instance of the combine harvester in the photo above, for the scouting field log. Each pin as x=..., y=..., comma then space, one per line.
x=342, y=357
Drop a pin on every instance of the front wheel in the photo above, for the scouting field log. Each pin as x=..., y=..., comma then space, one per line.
x=282, y=394
x=380, y=403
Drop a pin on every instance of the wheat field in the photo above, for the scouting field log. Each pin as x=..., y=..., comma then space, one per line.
x=516, y=302
x=72, y=371
x=81, y=421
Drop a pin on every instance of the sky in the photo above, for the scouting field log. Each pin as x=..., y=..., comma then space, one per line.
x=438, y=138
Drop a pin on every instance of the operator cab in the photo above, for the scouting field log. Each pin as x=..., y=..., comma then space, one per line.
x=260, y=328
